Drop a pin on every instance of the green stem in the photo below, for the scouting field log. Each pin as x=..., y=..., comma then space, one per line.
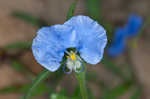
x=81, y=80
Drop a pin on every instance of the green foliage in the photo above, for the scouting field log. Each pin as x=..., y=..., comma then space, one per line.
x=42, y=88
x=18, y=66
x=94, y=7
x=114, y=69
x=147, y=22
x=28, y=18
x=134, y=43
x=82, y=83
x=136, y=94
x=42, y=76
x=116, y=92
x=60, y=95
x=18, y=45
x=59, y=74
x=71, y=9
x=76, y=93
x=14, y=88
x=91, y=76
x=90, y=94
x=109, y=31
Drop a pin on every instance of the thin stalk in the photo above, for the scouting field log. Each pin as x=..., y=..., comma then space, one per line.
x=81, y=80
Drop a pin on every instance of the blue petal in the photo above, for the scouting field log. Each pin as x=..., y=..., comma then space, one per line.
x=120, y=34
x=132, y=28
x=116, y=49
x=133, y=25
x=118, y=44
x=92, y=38
x=50, y=43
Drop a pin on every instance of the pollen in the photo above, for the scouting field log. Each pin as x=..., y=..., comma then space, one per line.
x=73, y=56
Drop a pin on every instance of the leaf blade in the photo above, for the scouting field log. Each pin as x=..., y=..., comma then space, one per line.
x=119, y=90
x=136, y=94
x=42, y=76
x=114, y=69
x=71, y=10
x=94, y=7
x=18, y=45
x=28, y=18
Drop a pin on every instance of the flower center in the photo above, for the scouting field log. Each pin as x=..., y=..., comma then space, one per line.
x=73, y=56
x=74, y=63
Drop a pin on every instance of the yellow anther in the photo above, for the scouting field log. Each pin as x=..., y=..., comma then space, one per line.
x=73, y=56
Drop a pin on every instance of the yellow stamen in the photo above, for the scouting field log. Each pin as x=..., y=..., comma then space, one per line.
x=73, y=56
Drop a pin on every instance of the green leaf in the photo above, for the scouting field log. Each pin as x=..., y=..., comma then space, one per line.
x=23, y=88
x=109, y=31
x=136, y=94
x=94, y=7
x=113, y=68
x=90, y=94
x=14, y=88
x=18, y=66
x=42, y=76
x=42, y=88
x=28, y=18
x=103, y=86
x=59, y=74
x=18, y=45
x=76, y=93
x=71, y=9
x=60, y=95
x=118, y=91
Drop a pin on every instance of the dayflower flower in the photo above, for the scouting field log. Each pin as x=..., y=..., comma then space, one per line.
x=118, y=44
x=133, y=25
x=81, y=33
x=131, y=29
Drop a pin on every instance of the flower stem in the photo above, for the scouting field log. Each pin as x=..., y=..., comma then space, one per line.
x=81, y=80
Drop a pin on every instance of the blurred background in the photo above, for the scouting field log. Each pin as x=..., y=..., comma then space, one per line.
x=19, y=21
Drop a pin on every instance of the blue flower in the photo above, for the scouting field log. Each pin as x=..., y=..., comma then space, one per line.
x=133, y=25
x=118, y=44
x=131, y=29
x=80, y=32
